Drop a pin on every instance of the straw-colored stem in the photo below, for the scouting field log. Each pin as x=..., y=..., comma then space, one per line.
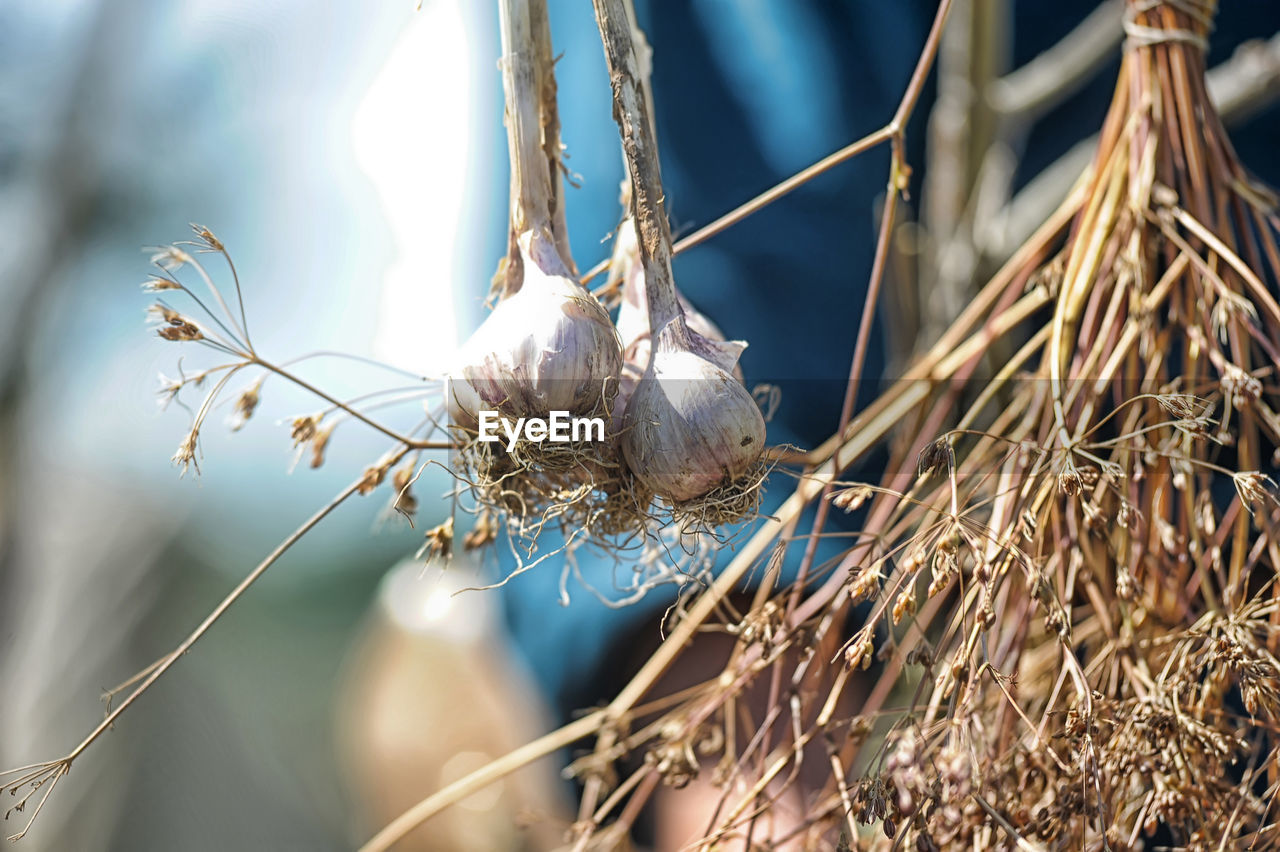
x=639, y=147
x=549, y=120
x=530, y=179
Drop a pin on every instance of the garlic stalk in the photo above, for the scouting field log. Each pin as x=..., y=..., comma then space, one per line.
x=690, y=427
x=549, y=120
x=531, y=192
x=549, y=346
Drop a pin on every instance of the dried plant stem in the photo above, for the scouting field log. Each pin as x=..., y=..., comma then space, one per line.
x=897, y=183
x=57, y=768
x=639, y=148
x=531, y=192
x=544, y=66
x=767, y=197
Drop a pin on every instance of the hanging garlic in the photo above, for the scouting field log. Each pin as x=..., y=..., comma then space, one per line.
x=548, y=347
x=633, y=317
x=690, y=429
x=690, y=426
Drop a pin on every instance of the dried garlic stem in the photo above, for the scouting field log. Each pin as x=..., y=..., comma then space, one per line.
x=530, y=177
x=544, y=70
x=631, y=111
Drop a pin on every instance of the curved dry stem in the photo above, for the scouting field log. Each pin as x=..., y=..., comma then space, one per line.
x=54, y=770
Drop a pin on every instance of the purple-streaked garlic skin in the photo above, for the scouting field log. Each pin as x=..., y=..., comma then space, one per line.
x=690, y=426
x=633, y=322
x=548, y=347
x=633, y=315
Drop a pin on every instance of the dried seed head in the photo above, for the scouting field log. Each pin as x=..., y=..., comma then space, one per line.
x=405, y=503
x=1182, y=406
x=1094, y=518
x=185, y=457
x=373, y=476
x=1069, y=481
x=1241, y=388
x=157, y=283
x=438, y=542
x=169, y=258
x=303, y=429
x=484, y=533
x=859, y=654
x=904, y=605
x=319, y=444
x=949, y=541
x=866, y=582
x=941, y=578
x=915, y=557
x=851, y=498
x=246, y=404
x=173, y=326
x=1230, y=309
x=1253, y=487
x=206, y=237
x=1125, y=588
x=1127, y=516
x=937, y=455
x=168, y=390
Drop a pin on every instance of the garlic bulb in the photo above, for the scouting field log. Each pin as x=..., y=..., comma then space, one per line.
x=690, y=426
x=633, y=319
x=548, y=347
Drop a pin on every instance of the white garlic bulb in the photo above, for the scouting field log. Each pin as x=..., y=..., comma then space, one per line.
x=633, y=319
x=690, y=425
x=548, y=347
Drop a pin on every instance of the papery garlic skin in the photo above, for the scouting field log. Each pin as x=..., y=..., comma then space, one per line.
x=633, y=314
x=548, y=347
x=690, y=426
x=633, y=321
